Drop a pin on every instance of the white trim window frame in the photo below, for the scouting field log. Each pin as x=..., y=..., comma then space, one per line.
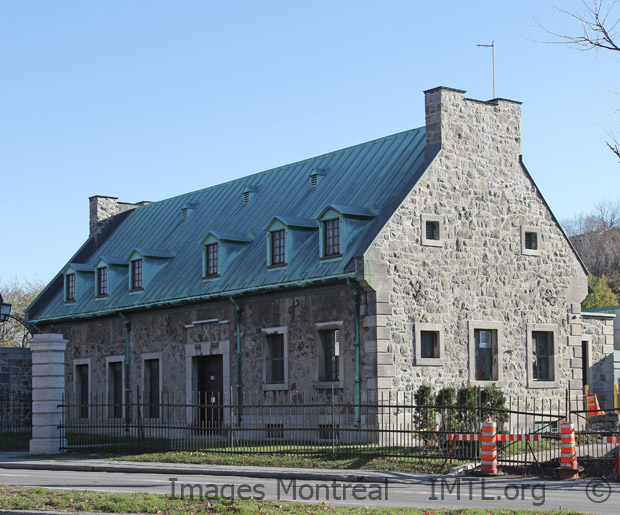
x=146, y=392
x=319, y=355
x=496, y=346
x=530, y=240
x=438, y=236
x=437, y=329
x=265, y=333
x=112, y=397
x=78, y=391
x=551, y=356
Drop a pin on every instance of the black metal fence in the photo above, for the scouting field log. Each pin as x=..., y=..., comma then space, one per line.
x=320, y=424
x=15, y=420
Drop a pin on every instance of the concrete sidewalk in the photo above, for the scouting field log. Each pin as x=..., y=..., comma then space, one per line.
x=13, y=461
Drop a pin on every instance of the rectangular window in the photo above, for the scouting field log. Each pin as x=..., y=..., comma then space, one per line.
x=136, y=274
x=151, y=388
x=278, y=245
x=531, y=241
x=115, y=389
x=274, y=359
x=330, y=351
x=430, y=344
x=542, y=347
x=486, y=354
x=432, y=230
x=331, y=238
x=81, y=390
x=211, y=257
x=69, y=287
x=102, y=281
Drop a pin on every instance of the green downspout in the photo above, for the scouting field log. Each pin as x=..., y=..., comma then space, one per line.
x=358, y=381
x=239, y=356
x=127, y=371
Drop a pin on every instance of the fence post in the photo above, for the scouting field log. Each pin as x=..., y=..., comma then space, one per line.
x=48, y=388
x=616, y=398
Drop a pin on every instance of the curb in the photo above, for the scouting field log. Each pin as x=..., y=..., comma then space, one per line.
x=460, y=469
x=260, y=474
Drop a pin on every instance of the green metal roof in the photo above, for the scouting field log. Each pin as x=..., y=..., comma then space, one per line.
x=366, y=181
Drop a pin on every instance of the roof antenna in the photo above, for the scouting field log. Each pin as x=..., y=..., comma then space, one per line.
x=492, y=47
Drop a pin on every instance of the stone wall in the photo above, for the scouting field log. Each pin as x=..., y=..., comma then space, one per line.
x=16, y=369
x=478, y=273
x=179, y=334
x=598, y=331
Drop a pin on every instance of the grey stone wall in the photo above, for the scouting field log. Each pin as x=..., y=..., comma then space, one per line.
x=16, y=369
x=478, y=190
x=210, y=328
x=598, y=331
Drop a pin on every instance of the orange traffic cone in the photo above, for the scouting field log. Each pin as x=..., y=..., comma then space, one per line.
x=592, y=405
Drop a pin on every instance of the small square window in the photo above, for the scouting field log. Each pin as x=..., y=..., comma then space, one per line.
x=212, y=260
x=431, y=230
x=530, y=241
x=136, y=274
x=428, y=344
x=331, y=238
x=69, y=287
x=102, y=281
x=278, y=247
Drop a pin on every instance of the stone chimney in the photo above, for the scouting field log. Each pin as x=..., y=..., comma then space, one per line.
x=102, y=208
x=481, y=127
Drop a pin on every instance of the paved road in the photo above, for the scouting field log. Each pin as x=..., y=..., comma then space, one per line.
x=422, y=491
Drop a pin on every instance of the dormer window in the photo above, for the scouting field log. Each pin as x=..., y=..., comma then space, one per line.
x=278, y=247
x=212, y=252
x=136, y=275
x=331, y=238
x=102, y=281
x=70, y=288
x=338, y=226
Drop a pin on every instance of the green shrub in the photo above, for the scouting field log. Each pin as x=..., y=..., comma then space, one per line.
x=425, y=416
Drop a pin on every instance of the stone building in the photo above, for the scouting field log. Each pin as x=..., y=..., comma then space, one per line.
x=425, y=257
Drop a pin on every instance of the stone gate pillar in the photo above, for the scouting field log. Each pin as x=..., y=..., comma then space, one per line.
x=48, y=388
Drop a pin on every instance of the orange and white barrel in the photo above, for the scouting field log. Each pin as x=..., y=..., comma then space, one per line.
x=568, y=457
x=488, y=447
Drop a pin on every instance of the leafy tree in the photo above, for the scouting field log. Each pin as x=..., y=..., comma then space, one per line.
x=601, y=295
x=20, y=294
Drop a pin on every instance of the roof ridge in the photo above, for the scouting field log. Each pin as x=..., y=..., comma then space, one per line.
x=287, y=165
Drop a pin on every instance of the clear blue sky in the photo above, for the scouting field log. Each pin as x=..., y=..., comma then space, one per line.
x=144, y=100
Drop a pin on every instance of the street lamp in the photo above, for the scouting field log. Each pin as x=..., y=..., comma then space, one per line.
x=5, y=310
x=5, y=314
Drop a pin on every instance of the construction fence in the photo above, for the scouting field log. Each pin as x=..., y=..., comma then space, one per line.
x=333, y=423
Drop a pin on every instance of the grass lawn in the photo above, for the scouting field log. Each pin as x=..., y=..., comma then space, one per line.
x=416, y=465
x=80, y=501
